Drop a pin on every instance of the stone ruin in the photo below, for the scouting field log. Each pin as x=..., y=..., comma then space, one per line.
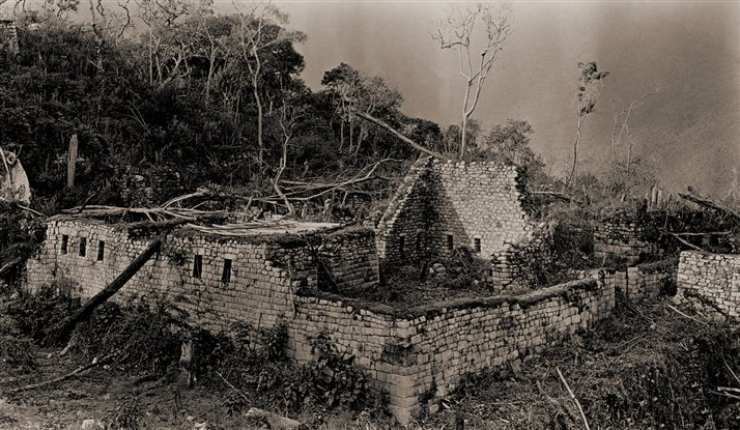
x=710, y=281
x=237, y=274
x=293, y=273
x=444, y=205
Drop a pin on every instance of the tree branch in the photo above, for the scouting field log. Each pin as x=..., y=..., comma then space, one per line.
x=400, y=136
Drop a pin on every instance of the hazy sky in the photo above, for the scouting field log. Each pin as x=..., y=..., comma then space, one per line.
x=690, y=51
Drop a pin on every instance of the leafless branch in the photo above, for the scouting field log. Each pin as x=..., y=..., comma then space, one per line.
x=400, y=136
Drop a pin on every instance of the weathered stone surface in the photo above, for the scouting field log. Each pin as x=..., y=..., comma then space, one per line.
x=259, y=288
x=711, y=279
x=622, y=240
x=443, y=205
x=406, y=352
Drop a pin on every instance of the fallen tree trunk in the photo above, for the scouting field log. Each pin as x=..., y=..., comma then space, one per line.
x=686, y=242
x=705, y=202
x=64, y=330
x=62, y=378
x=5, y=268
x=400, y=136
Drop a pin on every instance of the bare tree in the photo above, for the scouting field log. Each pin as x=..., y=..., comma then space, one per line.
x=168, y=37
x=590, y=83
x=290, y=114
x=458, y=32
x=621, y=133
x=212, y=34
x=253, y=37
x=109, y=23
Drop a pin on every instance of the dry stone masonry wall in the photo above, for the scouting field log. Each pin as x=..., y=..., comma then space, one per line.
x=216, y=279
x=710, y=279
x=444, y=205
x=637, y=283
x=623, y=241
x=416, y=355
x=419, y=355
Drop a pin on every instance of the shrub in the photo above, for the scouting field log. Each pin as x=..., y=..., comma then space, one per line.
x=139, y=335
x=35, y=313
x=332, y=380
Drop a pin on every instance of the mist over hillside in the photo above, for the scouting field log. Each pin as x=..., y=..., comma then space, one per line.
x=690, y=51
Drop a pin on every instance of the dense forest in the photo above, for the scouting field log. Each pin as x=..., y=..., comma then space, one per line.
x=174, y=90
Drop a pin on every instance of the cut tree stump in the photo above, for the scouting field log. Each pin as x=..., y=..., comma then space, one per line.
x=62, y=332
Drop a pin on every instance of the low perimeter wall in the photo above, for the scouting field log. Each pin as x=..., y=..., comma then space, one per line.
x=711, y=278
x=419, y=355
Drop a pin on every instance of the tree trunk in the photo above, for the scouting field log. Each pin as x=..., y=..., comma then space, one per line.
x=211, y=66
x=572, y=177
x=71, y=161
x=463, y=130
x=258, y=101
x=65, y=328
x=341, y=135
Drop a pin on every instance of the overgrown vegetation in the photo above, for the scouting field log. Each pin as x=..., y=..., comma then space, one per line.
x=143, y=339
x=644, y=367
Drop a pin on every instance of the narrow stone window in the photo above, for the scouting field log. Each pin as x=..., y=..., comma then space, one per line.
x=402, y=245
x=101, y=250
x=476, y=244
x=419, y=241
x=450, y=242
x=65, y=241
x=198, y=266
x=226, y=275
x=83, y=246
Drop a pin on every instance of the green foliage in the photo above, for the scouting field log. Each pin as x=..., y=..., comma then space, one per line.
x=588, y=87
x=141, y=102
x=332, y=380
x=15, y=353
x=176, y=256
x=139, y=335
x=274, y=341
x=21, y=233
x=34, y=313
x=641, y=368
x=464, y=268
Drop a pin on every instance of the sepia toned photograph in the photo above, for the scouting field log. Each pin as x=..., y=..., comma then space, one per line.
x=369, y=215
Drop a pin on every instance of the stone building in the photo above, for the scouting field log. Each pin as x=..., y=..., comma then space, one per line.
x=441, y=206
x=295, y=273
x=8, y=39
x=246, y=273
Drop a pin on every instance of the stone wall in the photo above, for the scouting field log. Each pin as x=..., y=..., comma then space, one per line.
x=402, y=233
x=623, y=241
x=416, y=355
x=444, y=205
x=640, y=282
x=419, y=355
x=263, y=271
x=711, y=279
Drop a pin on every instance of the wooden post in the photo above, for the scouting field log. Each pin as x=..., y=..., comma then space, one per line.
x=71, y=161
